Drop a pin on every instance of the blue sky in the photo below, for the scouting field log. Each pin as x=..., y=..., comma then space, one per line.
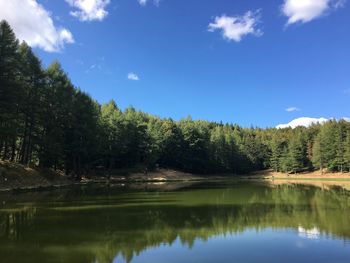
x=249, y=62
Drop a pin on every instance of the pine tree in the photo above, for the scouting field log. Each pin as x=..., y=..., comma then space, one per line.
x=233, y=153
x=296, y=154
x=318, y=154
x=113, y=145
x=276, y=154
x=218, y=147
x=57, y=117
x=340, y=146
x=330, y=130
x=32, y=81
x=326, y=147
x=347, y=150
x=82, y=135
x=10, y=91
x=172, y=145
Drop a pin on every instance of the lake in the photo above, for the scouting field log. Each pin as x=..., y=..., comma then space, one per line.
x=232, y=221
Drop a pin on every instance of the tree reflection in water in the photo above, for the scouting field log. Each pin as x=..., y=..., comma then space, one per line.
x=100, y=224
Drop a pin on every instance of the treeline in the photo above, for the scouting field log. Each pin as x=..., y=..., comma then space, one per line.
x=46, y=121
x=322, y=147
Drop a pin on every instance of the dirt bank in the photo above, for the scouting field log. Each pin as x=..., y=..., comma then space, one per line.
x=159, y=175
x=16, y=176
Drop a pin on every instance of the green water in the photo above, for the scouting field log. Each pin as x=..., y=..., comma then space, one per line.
x=217, y=222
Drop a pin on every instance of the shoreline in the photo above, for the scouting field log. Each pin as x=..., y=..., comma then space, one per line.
x=314, y=175
x=16, y=177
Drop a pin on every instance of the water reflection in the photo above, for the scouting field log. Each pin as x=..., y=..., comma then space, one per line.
x=312, y=233
x=14, y=222
x=99, y=224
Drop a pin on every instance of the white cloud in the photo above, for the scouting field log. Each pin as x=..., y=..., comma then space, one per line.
x=93, y=67
x=236, y=27
x=133, y=76
x=306, y=10
x=339, y=3
x=144, y=2
x=156, y=2
x=303, y=121
x=292, y=109
x=89, y=10
x=32, y=23
x=312, y=233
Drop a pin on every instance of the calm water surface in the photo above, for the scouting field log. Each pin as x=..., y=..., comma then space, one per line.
x=217, y=222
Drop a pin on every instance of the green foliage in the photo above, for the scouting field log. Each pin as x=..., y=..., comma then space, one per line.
x=277, y=150
x=318, y=157
x=347, y=150
x=10, y=90
x=296, y=154
x=46, y=121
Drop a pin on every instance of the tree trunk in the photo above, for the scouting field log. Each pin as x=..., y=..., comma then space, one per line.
x=4, y=157
x=13, y=153
x=29, y=146
x=23, y=143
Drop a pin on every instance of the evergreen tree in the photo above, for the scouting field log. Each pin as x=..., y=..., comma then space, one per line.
x=218, y=151
x=318, y=156
x=57, y=118
x=340, y=137
x=329, y=131
x=46, y=121
x=296, y=154
x=10, y=91
x=347, y=150
x=32, y=81
x=173, y=142
x=82, y=136
x=194, y=153
x=276, y=155
x=113, y=145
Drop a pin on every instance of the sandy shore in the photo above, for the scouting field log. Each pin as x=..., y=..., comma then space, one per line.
x=269, y=174
x=316, y=178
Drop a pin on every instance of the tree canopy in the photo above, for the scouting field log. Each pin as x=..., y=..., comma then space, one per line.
x=46, y=121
